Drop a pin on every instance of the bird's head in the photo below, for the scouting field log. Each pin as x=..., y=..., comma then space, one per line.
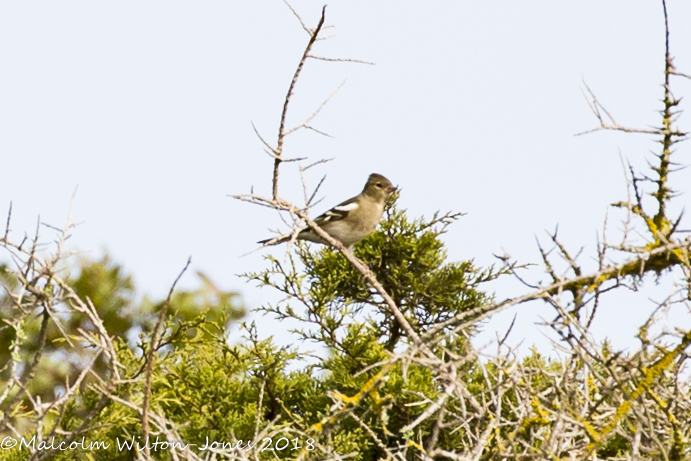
x=378, y=186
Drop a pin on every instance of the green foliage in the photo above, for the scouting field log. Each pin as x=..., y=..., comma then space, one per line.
x=363, y=398
x=61, y=358
x=111, y=291
x=208, y=388
x=409, y=260
x=338, y=310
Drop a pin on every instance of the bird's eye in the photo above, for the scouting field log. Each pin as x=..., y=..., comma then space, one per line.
x=379, y=185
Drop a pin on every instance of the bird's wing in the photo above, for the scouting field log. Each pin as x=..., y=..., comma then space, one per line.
x=337, y=213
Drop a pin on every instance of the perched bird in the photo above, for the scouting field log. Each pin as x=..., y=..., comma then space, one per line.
x=352, y=220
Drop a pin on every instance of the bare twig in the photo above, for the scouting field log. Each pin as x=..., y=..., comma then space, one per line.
x=281, y=131
x=151, y=354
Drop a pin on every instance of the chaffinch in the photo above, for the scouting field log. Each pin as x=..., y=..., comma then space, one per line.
x=352, y=220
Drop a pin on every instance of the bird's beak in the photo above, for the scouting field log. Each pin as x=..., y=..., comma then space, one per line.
x=391, y=189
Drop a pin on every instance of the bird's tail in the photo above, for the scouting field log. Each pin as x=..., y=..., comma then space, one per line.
x=274, y=240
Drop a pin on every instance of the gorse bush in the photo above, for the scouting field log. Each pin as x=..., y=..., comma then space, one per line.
x=88, y=371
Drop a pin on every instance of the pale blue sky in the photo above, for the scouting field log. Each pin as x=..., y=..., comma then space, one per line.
x=471, y=107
